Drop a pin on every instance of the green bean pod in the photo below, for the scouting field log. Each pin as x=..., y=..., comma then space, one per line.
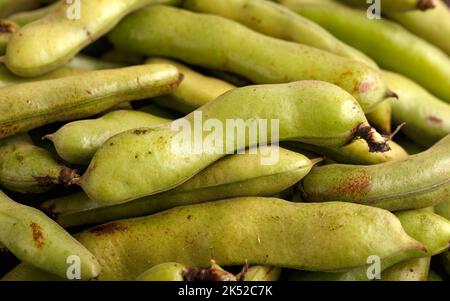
x=77, y=65
x=8, y=7
x=27, y=168
x=427, y=118
x=419, y=181
x=71, y=26
x=389, y=44
x=195, y=91
x=273, y=232
x=222, y=44
x=277, y=21
x=446, y=261
x=77, y=142
x=27, y=272
x=432, y=25
x=34, y=238
x=23, y=18
x=149, y=160
x=395, y=6
x=30, y=105
x=410, y=270
x=223, y=179
x=356, y=153
x=428, y=228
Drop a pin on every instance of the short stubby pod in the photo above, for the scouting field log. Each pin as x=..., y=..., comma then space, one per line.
x=262, y=231
x=150, y=160
x=37, y=240
x=419, y=181
x=223, y=179
x=27, y=168
x=221, y=44
x=30, y=105
x=77, y=142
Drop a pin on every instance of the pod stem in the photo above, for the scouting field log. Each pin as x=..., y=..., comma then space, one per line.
x=214, y=273
x=376, y=142
x=425, y=4
x=68, y=176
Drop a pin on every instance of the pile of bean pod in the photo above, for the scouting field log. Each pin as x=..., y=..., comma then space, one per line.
x=92, y=188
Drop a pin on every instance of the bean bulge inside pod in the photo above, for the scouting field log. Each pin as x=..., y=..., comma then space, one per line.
x=146, y=161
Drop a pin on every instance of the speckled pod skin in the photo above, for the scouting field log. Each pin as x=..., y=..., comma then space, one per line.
x=427, y=118
x=27, y=168
x=77, y=142
x=143, y=160
x=273, y=232
x=419, y=181
x=222, y=44
x=389, y=44
x=410, y=270
x=34, y=238
x=277, y=21
x=30, y=105
x=432, y=25
x=428, y=228
x=70, y=31
x=223, y=179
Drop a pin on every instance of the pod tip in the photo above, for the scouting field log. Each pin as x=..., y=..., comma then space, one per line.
x=425, y=4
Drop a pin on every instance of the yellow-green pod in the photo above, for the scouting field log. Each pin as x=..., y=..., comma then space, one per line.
x=23, y=18
x=410, y=270
x=195, y=91
x=391, y=45
x=274, y=232
x=36, y=239
x=277, y=21
x=27, y=272
x=432, y=25
x=27, y=168
x=218, y=43
x=262, y=273
x=443, y=209
x=418, y=181
x=395, y=6
x=34, y=104
x=223, y=179
x=77, y=142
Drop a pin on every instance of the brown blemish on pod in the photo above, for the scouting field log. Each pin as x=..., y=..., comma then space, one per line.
x=38, y=236
x=108, y=229
x=434, y=120
x=356, y=186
